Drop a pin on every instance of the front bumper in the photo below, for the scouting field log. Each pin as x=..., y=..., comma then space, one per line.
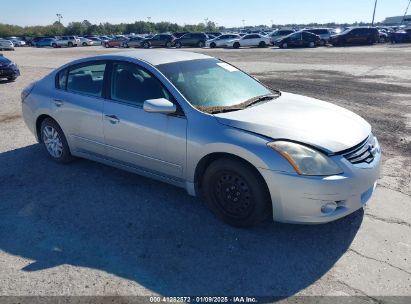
x=300, y=199
x=9, y=72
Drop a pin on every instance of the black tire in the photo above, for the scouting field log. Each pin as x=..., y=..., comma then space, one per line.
x=284, y=45
x=65, y=154
x=236, y=193
x=213, y=45
x=146, y=45
x=323, y=42
x=168, y=44
x=84, y=44
x=11, y=78
x=236, y=45
x=262, y=44
x=54, y=45
x=201, y=44
x=106, y=45
x=178, y=45
x=70, y=44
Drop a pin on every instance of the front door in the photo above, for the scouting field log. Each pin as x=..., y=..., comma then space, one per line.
x=154, y=142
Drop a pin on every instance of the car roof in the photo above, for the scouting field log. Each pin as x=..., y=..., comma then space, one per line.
x=157, y=57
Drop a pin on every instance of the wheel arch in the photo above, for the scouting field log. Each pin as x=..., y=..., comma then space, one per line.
x=39, y=121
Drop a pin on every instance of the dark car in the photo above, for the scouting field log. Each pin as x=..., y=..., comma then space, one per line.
x=191, y=39
x=8, y=69
x=356, y=35
x=402, y=36
x=324, y=34
x=299, y=39
x=215, y=34
x=160, y=40
x=115, y=42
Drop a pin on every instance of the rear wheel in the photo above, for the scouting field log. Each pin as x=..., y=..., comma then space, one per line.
x=201, y=44
x=54, y=141
x=382, y=39
x=262, y=44
x=168, y=44
x=70, y=44
x=236, y=193
x=84, y=43
x=106, y=45
x=284, y=45
x=178, y=45
x=213, y=45
x=54, y=45
x=311, y=44
x=236, y=45
x=146, y=45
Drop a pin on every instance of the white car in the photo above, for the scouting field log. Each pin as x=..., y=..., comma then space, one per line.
x=221, y=41
x=86, y=41
x=249, y=40
x=68, y=41
x=6, y=45
x=17, y=42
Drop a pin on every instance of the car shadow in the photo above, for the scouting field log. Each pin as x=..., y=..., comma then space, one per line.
x=89, y=215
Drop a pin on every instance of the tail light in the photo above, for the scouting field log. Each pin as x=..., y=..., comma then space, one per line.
x=26, y=91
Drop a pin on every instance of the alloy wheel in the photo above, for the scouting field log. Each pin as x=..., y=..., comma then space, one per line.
x=52, y=141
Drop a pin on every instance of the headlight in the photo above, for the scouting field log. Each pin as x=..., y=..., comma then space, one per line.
x=12, y=65
x=304, y=160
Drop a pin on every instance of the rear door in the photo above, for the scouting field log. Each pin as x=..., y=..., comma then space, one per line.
x=153, y=142
x=78, y=106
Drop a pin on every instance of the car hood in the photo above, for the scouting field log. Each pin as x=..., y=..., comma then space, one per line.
x=302, y=119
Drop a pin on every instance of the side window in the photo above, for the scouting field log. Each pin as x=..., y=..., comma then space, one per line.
x=87, y=79
x=132, y=84
x=61, y=80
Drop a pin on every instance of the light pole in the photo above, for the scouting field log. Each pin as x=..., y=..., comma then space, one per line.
x=406, y=11
x=59, y=16
x=148, y=19
x=243, y=23
x=373, y=15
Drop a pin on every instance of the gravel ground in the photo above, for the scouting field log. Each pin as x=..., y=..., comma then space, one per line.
x=88, y=229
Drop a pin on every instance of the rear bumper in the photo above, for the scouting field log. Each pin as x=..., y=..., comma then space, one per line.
x=302, y=199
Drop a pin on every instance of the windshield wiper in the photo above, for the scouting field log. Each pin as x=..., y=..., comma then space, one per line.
x=258, y=99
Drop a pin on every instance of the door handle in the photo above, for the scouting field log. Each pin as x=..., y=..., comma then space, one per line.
x=113, y=119
x=58, y=102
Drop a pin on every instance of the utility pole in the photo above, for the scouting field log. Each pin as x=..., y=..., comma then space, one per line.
x=243, y=23
x=148, y=19
x=59, y=16
x=406, y=11
x=373, y=15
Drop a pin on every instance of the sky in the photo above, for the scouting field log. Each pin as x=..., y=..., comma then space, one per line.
x=227, y=13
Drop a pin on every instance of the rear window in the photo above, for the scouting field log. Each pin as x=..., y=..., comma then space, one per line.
x=319, y=31
x=87, y=79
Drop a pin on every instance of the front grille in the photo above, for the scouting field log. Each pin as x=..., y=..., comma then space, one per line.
x=362, y=153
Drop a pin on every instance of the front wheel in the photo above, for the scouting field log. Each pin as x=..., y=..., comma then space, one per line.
x=284, y=45
x=311, y=44
x=70, y=44
x=54, y=141
x=168, y=44
x=236, y=45
x=54, y=45
x=213, y=45
x=84, y=43
x=262, y=44
x=236, y=193
x=200, y=44
x=146, y=45
x=178, y=45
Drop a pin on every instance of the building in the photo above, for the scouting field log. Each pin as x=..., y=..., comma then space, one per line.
x=397, y=20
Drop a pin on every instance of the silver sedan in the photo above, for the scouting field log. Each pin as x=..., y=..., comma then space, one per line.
x=204, y=125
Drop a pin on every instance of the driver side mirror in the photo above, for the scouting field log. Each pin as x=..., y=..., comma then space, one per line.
x=159, y=105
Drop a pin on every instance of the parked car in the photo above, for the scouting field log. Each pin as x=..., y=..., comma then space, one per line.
x=299, y=39
x=191, y=39
x=383, y=36
x=8, y=69
x=85, y=41
x=33, y=42
x=215, y=34
x=17, y=42
x=6, y=45
x=279, y=34
x=164, y=40
x=133, y=42
x=69, y=41
x=199, y=123
x=45, y=42
x=114, y=42
x=356, y=35
x=250, y=40
x=96, y=40
x=401, y=36
x=221, y=41
x=324, y=34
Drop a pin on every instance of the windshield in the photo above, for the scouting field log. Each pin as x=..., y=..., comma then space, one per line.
x=210, y=83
